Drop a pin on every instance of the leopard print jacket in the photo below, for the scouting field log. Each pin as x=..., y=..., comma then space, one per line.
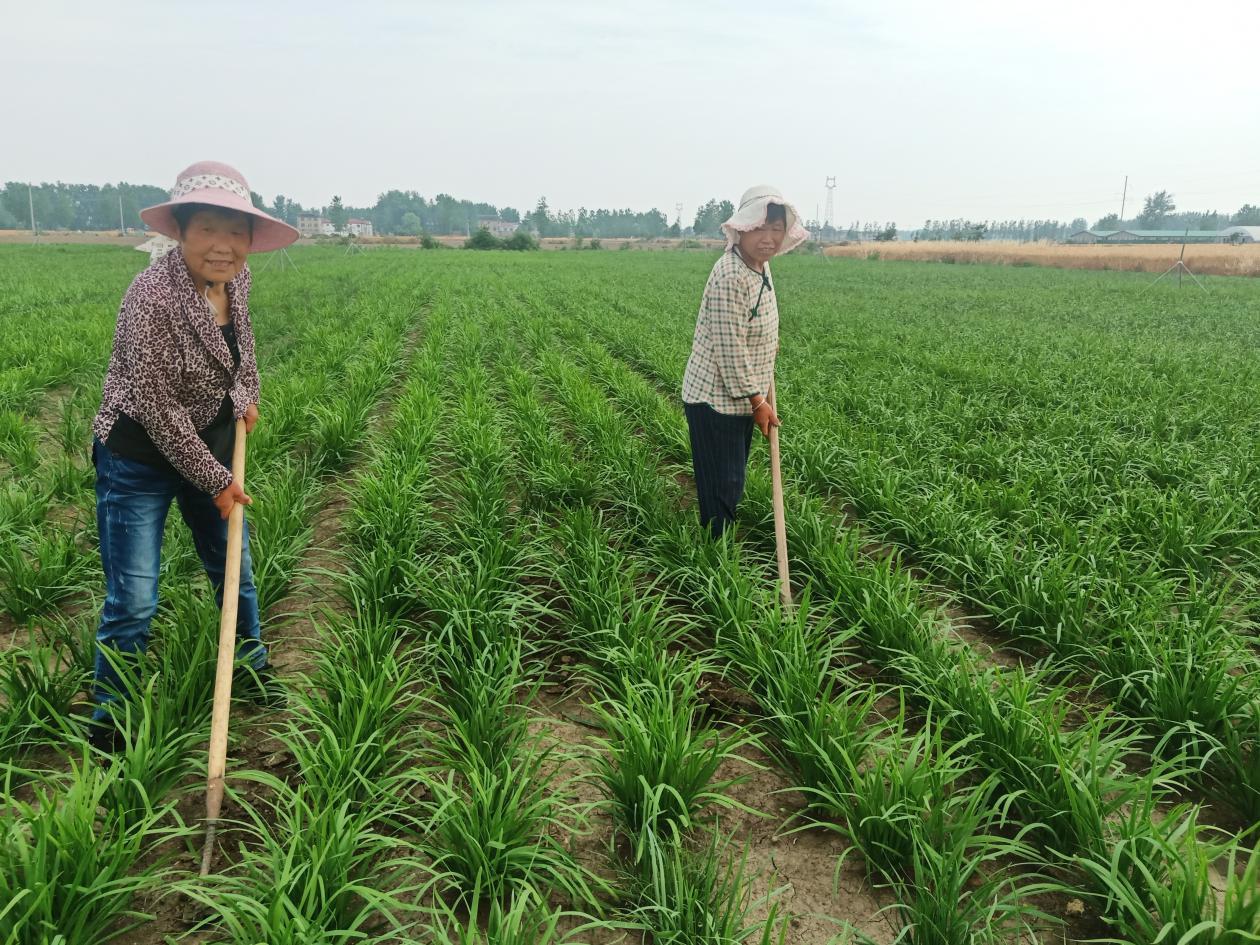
x=170, y=367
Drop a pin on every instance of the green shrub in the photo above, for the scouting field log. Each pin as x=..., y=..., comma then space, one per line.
x=483, y=239
x=520, y=240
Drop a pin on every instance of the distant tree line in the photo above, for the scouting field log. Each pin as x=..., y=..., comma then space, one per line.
x=857, y=230
x=61, y=206
x=544, y=221
x=974, y=230
x=1159, y=212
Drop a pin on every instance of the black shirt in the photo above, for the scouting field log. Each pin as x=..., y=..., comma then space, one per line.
x=129, y=439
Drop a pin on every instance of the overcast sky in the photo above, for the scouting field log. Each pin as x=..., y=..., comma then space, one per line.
x=919, y=109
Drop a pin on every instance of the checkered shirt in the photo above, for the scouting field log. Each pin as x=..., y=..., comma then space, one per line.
x=732, y=354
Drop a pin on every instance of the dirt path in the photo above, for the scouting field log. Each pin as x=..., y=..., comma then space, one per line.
x=290, y=634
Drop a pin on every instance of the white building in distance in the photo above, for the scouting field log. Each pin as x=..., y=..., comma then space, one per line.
x=497, y=227
x=1241, y=234
x=314, y=224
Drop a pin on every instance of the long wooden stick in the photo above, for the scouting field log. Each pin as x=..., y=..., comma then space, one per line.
x=780, y=522
x=217, y=767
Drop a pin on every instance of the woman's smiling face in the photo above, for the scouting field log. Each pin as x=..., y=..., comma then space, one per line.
x=215, y=244
x=760, y=245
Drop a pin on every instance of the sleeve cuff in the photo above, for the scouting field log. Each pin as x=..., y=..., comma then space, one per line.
x=216, y=484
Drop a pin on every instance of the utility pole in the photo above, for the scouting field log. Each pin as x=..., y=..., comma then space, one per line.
x=30, y=196
x=122, y=225
x=678, y=218
x=1123, y=197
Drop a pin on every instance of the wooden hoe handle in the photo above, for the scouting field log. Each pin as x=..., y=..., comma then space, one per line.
x=227, y=656
x=780, y=523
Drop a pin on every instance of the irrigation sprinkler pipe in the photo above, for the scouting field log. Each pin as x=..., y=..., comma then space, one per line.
x=780, y=523
x=226, y=658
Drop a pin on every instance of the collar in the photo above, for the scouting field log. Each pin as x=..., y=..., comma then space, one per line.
x=197, y=310
x=763, y=275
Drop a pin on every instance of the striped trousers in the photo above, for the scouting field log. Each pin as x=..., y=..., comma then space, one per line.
x=719, y=457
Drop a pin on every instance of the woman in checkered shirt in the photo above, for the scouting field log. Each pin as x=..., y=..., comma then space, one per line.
x=731, y=368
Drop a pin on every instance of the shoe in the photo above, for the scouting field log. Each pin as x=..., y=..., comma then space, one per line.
x=260, y=686
x=105, y=736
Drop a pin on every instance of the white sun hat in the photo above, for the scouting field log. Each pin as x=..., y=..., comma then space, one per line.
x=751, y=214
x=157, y=246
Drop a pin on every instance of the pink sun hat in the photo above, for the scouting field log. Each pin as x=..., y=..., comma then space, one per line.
x=218, y=185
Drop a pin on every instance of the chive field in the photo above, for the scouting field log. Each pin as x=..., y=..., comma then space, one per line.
x=1018, y=699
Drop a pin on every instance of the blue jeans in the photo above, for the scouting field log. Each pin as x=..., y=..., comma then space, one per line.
x=132, y=500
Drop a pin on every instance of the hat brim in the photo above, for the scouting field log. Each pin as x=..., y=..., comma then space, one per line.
x=753, y=214
x=269, y=233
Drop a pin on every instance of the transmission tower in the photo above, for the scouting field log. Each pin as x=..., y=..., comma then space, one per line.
x=831, y=203
x=678, y=219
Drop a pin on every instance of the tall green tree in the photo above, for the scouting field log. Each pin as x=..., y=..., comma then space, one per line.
x=286, y=209
x=708, y=219
x=392, y=207
x=450, y=216
x=1155, y=208
x=1247, y=215
x=725, y=210
x=411, y=225
x=338, y=215
x=711, y=216
x=540, y=219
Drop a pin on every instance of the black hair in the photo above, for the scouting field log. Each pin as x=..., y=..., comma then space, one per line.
x=776, y=213
x=183, y=212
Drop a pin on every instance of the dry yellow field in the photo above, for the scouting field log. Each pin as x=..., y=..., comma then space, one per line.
x=1211, y=259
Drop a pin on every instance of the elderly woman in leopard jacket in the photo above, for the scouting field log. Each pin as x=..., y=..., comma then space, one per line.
x=181, y=373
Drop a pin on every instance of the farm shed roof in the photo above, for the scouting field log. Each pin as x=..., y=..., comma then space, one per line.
x=1172, y=234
